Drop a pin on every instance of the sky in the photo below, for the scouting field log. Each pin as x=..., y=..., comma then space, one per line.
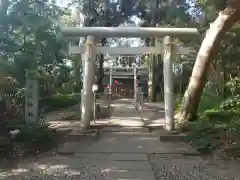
x=62, y=3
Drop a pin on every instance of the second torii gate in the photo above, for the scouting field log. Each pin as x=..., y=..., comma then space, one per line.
x=90, y=51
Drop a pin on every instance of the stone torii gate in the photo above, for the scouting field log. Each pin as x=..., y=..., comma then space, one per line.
x=90, y=52
x=128, y=51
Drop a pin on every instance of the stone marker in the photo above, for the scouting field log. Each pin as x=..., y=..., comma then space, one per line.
x=31, y=102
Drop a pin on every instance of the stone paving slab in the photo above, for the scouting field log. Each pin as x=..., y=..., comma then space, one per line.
x=71, y=148
x=125, y=115
x=115, y=156
x=131, y=175
x=127, y=144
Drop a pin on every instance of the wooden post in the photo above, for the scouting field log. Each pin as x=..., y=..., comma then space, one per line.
x=88, y=80
x=168, y=84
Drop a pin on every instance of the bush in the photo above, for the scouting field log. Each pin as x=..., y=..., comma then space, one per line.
x=58, y=101
x=218, y=128
x=209, y=101
x=219, y=116
x=27, y=140
x=231, y=104
x=40, y=136
x=199, y=136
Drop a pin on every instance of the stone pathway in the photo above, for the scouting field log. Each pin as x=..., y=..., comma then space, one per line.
x=116, y=153
x=125, y=114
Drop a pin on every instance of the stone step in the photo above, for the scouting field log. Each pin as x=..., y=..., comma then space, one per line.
x=125, y=129
x=116, y=156
x=127, y=157
x=119, y=144
x=108, y=123
x=131, y=175
x=173, y=136
x=78, y=134
x=126, y=165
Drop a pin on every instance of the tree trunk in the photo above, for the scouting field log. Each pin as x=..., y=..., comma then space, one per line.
x=101, y=70
x=103, y=42
x=152, y=63
x=78, y=76
x=225, y=20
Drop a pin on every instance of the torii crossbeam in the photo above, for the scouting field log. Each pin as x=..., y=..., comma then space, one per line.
x=129, y=51
x=138, y=32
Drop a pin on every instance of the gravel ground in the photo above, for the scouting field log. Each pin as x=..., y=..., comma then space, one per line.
x=178, y=167
x=59, y=168
x=88, y=167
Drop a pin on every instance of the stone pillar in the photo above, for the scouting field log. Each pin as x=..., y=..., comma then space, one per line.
x=168, y=84
x=31, y=102
x=135, y=83
x=88, y=80
x=110, y=84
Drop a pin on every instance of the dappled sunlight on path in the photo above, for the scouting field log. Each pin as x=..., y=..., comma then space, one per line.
x=122, y=147
x=125, y=114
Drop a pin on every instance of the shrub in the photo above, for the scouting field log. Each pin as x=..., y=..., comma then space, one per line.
x=209, y=101
x=27, y=140
x=58, y=101
x=219, y=116
x=199, y=136
x=218, y=128
x=40, y=136
x=231, y=104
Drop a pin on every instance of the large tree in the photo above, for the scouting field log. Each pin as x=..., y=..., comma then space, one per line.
x=27, y=46
x=226, y=19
